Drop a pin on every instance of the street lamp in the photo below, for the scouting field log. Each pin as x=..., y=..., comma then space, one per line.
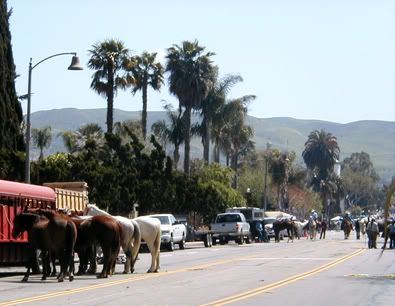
x=268, y=144
x=75, y=65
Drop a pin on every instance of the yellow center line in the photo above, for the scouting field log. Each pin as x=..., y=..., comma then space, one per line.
x=118, y=282
x=281, y=283
x=150, y=276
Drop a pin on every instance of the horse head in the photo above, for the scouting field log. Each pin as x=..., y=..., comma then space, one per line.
x=93, y=210
x=23, y=222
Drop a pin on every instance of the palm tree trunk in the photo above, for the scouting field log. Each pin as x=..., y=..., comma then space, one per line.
x=176, y=156
x=110, y=102
x=110, y=110
x=187, y=149
x=144, y=113
x=206, y=141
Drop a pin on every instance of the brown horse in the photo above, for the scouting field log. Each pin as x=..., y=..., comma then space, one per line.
x=346, y=226
x=280, y=225
x=106, y=231
x=86, y=252
x=50, y=235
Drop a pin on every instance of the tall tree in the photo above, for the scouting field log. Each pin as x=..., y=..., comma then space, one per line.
x=146, y=71
x=230, y=133
x=173, y=132
x=360, y=180
x=11, y=136
x=321, y=151
x=109, y=59
x=191, y=76
x=211, y=105
x=42, y=139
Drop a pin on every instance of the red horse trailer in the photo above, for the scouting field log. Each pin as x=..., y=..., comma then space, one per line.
x=14, y=197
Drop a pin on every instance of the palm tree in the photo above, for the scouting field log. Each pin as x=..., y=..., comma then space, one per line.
x=173, y=132
x=211, y=105
x=42, y=139
x=320, y=153
x=75, y=141
x=191, y=76
x=230, y=133
x=146, y=72
x=109, y=58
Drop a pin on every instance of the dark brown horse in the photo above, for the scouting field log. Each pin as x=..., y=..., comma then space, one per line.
x=106, y=231
x=53, y=236
x=346, y=226
x=86, y=251
x=280, y=225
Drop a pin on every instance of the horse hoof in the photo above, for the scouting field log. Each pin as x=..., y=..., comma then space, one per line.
x=44, y=278
x=24, y=280
x=102, y=276
x=71, y=278
x=125, y=272
x=60, y=279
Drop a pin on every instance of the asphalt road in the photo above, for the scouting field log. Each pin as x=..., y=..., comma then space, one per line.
x=324, y=272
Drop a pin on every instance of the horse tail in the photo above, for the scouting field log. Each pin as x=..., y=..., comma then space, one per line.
x=136, y=243
x=71, y=237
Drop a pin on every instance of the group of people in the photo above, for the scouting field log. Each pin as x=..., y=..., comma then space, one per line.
x=372, y=229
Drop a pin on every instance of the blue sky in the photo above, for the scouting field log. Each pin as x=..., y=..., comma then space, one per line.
x=325, y=60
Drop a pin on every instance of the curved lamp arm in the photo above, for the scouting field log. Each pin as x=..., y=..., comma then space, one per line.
x=47, y=58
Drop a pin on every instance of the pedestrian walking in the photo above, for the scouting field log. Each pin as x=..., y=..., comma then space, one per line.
x=358, y=229
x=372, y=230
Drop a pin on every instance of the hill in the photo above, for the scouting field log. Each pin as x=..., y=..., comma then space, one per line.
x=373, y=137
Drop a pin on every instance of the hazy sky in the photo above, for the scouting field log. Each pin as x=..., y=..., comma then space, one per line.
x=327, y=60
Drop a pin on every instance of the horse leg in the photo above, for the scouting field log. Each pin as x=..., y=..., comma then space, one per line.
x=91, y=253
x=106, y=261
x=128, y=253
x=151, y=248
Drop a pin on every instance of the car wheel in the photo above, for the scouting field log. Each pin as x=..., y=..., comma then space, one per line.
x=248, y=239
x=170, y=245
x=182, y=243
x=241, y=239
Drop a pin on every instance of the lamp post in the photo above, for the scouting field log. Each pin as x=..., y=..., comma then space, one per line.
x=248, y=197
x=75, y=65
x=265, y=184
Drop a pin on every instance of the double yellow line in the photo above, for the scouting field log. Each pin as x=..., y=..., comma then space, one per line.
x=228, y=300
x=281, y=283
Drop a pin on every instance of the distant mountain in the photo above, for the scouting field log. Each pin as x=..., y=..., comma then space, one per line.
x=373, y=137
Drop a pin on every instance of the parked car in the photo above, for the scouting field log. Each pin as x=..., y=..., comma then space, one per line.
x=173, y=231
x=230, y=226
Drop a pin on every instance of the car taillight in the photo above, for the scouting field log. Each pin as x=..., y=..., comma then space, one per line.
x=237, y=227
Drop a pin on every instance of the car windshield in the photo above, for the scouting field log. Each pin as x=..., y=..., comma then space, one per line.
x=162, y=219
x=228, y=218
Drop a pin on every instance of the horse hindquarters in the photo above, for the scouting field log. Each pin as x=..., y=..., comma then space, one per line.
x=136, y=244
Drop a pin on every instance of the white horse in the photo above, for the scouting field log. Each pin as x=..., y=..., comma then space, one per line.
x=150, y=231
x=312, y=228
x=300, y=226
x=130, y=236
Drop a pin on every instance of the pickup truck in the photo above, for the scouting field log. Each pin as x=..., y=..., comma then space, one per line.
x=230, y=226
x=173, y=231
